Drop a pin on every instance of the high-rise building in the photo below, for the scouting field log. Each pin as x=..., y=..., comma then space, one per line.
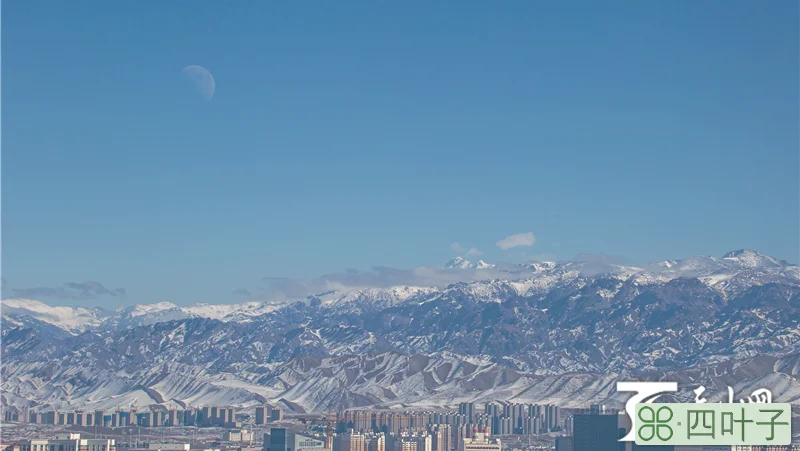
x=564, y=444
x=442, y=437
x=229, y=416
x=99, y=418
x=468, y=410
x=172, y=418
x=275, y=415
x=461, y=432
x=189, y=417
x=553, y=415
x=204, y=417
x=262, y=414
x=568, y=423
x=143, y=419
x=277, y=439
x=596, y=432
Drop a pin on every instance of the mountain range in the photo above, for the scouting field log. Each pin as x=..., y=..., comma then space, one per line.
x=547, y=332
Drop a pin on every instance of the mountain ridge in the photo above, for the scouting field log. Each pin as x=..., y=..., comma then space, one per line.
x=572, y=326
x=721, y=272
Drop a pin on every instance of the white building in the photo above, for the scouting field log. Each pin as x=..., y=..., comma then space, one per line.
x=237, y=435
x=419, y=441
x=69, y=442
x=480, y=441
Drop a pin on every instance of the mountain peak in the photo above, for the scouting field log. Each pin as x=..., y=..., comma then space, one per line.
x=458, y=263
x=752, y=259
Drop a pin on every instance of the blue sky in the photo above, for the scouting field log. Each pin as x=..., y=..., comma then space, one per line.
x=353, y=134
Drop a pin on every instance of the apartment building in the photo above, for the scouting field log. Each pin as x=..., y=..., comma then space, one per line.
x=68, y=442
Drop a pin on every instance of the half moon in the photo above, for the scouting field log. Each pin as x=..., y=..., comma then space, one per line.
x=202, y=80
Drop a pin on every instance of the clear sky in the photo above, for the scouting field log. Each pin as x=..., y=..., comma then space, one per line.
x=351, y=134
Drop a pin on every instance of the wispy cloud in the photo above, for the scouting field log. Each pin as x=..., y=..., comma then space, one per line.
x=244, y=292
x=71, y=290
x=517, y=240
x=601, y=258
x=284, y=288
x=474, y=252
x=279, y=289
x=458, y=248
x=596, y=264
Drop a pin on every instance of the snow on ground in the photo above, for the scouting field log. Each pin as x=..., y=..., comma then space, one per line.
x=74, y=319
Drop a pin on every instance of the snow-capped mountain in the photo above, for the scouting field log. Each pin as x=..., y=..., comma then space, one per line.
x=77, y=320
x=539, y=332
x=460, y=263
x=160, y=312
x=72, y=319
x=752, y=259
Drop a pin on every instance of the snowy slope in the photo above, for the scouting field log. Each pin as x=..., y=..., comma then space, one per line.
x=73, y=319
x=541, y=332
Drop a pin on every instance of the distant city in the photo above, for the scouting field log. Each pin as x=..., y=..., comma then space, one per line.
x=498, y=426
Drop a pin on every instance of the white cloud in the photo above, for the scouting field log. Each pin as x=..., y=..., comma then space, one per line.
x=458, y=248
x=517, y=240
x=474, y=251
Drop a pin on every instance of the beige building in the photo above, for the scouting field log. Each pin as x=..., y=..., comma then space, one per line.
x=442, y=438
x=481, y=441
x=237, y=435
x=350, y=441
x=68, y=442
x=405, y=444
x=418, y=441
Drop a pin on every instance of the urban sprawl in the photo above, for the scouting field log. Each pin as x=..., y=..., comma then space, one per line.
x=498, y=426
